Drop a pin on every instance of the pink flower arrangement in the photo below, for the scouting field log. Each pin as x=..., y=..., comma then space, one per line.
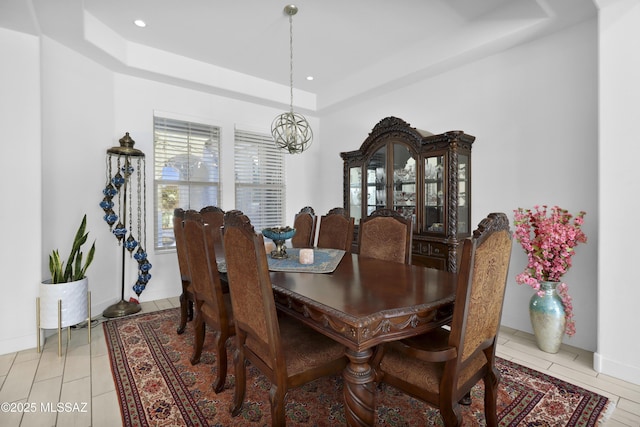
x=548, y=237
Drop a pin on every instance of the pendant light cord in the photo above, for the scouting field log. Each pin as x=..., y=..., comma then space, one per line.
x=291, y=61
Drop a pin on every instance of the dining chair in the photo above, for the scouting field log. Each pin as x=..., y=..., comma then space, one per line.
x=187, y=298
x=386, y=234
x=305, y=223
x=285, y=350
x=213, y=216
x=213, y=307
x=440, y=367
x=336, y=230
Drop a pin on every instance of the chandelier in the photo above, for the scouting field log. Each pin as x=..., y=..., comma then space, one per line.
x=291, y=131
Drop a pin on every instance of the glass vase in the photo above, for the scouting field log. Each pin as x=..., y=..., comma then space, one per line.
x=547, y=317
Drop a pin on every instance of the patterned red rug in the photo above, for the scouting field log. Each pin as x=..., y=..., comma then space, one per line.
x=157, y=386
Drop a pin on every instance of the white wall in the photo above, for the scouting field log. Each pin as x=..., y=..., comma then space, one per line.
x=77, y=124
x=87, y=110
x=533, y=112
x=21, y=189
x=619, y=287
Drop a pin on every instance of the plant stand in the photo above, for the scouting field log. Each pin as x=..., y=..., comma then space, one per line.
x=62, y=305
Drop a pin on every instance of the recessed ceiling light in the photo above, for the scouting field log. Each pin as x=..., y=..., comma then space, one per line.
x=140, y=23
x=309, y=78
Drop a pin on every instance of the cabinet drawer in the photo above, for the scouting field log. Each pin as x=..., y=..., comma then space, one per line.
x=439, y=250
x=430, y=249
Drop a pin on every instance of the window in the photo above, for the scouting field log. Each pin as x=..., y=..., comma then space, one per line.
x=186, y=172
x=260, y=179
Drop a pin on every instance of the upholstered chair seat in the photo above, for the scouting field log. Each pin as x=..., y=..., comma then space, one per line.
x=305, y=347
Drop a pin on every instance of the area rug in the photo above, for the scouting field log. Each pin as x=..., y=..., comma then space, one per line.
x=158, y=386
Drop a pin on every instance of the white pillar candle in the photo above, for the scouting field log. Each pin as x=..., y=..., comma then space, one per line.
x=306, y=256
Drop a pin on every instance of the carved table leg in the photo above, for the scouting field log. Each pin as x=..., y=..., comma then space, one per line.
x=359, y=389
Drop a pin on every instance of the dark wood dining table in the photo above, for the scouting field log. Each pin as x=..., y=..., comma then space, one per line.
x=362, y=303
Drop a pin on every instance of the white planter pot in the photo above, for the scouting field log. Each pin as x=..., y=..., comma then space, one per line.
x=73, y=301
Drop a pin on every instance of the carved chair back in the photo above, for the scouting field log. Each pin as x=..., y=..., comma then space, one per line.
x=305, y=224
x=214, y=216
x=336, y=230
x=187, y=298
x=181, y=248
x=286, y=351
x=213, y=307
x=479, y=299
x=250, y=288
x=386, y=235
x=442, y=366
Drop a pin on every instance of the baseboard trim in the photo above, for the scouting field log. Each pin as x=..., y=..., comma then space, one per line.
x=613, y=368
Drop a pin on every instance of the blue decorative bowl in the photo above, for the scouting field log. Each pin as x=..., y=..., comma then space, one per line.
x=279, y=233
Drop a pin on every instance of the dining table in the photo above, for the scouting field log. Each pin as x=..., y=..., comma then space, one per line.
x=361, y=303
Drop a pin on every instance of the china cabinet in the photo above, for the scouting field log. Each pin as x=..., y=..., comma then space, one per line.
x=424, y=176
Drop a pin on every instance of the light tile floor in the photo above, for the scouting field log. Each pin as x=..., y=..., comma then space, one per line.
x=35, y=384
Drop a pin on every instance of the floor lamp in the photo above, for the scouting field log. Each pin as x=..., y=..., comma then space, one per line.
x=119, y=205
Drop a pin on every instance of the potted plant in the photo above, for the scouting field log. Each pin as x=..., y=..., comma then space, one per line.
x=68, y=285
x=549, y=237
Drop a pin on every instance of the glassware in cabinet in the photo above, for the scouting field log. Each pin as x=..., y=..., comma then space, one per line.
x=418, y=174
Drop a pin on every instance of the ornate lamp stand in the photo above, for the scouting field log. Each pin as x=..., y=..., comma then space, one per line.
x=129, y=178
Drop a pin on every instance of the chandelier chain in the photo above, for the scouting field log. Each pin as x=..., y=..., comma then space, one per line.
x=291, y=60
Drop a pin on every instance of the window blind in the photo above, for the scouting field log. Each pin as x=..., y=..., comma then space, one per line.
x=260, y=179
x=186, y=172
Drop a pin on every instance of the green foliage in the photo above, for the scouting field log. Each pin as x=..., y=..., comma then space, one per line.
x=74, y=269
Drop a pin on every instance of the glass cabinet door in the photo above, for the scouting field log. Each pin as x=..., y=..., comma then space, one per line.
x=377, y=180
x=355, y=193
x=434, y=194
x=422, y=176
x=404, y=182
x=463, y=193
